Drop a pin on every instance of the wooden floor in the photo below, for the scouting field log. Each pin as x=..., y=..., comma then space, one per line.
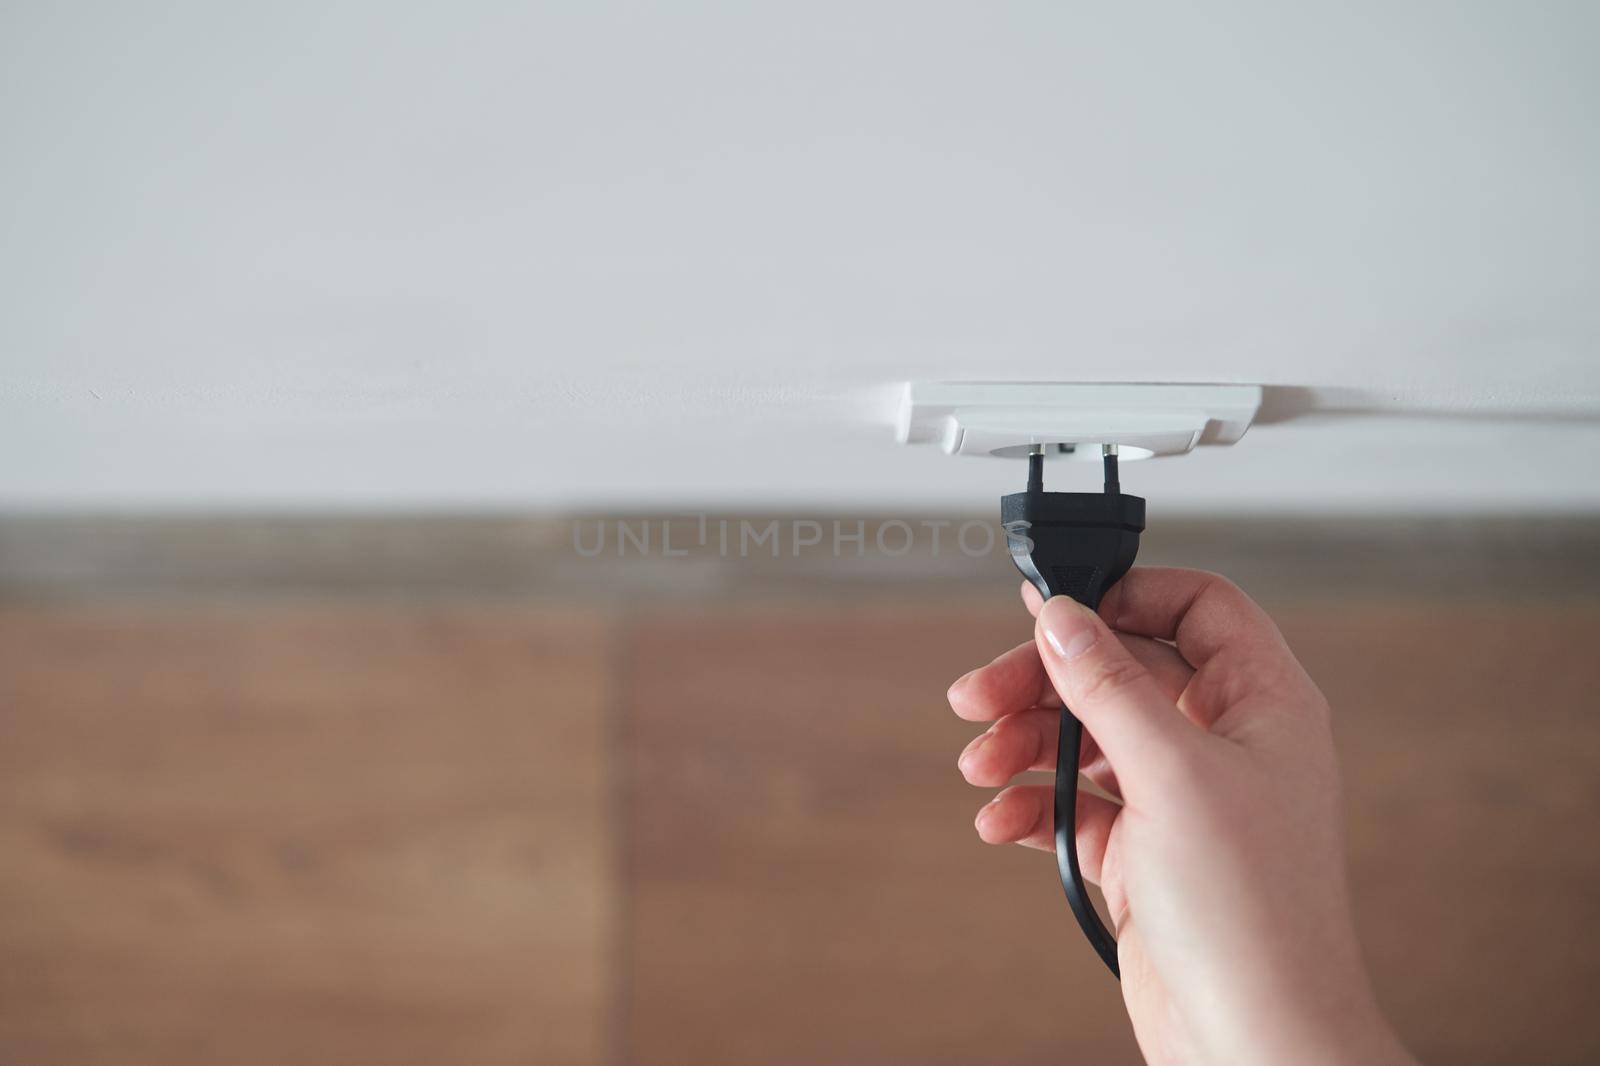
x=314, y=833
x=424, y=829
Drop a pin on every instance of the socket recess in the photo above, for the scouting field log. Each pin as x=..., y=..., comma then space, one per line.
x=1012, y=418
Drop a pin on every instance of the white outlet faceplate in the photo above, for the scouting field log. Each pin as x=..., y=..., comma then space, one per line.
x=1011, y=418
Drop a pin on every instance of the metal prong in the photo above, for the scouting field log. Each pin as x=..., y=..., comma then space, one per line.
x=1036, y=468
x=1108, y=453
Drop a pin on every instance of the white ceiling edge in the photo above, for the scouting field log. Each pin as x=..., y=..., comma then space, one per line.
x=384, y=256
x=1314, y=452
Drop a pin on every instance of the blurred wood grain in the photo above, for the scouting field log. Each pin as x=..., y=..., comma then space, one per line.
x=253, y=824
x=314, y=833
x=1470, y=740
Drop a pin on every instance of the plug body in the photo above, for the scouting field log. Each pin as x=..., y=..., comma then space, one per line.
x=1075, y=544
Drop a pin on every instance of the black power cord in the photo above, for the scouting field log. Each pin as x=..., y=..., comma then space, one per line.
x=1075, y=544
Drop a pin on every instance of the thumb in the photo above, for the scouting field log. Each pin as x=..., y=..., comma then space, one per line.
x=1140, y=730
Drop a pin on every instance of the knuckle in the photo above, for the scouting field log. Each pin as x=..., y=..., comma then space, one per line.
x=1021, y=737
x=1007, y=728
x=1221, y=588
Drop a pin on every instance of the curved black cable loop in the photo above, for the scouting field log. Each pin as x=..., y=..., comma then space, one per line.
x=1068, y=748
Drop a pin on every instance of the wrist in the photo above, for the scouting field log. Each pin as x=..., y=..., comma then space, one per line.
x=1328, y=1018
x=1353, y=1039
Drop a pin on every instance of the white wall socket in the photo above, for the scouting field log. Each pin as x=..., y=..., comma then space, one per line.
x=1010, y=418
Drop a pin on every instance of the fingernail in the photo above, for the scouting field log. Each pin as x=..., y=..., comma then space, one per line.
x=970, y=750
x=960, y=683
x=1068, y=629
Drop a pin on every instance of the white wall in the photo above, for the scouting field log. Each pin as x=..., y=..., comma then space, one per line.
x=608, y=253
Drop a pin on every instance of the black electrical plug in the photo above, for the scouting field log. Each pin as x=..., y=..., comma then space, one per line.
x=1075, y=544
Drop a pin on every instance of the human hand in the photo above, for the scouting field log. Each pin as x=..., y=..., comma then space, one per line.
x=1223, y=864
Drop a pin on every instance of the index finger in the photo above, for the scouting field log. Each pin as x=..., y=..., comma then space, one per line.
x=1016, y=681
x=1203, y=613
